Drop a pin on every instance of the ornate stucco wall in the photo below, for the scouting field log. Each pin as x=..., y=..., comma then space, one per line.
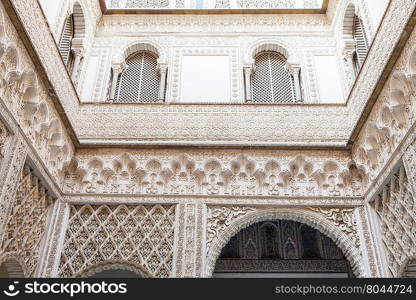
x=95, y=170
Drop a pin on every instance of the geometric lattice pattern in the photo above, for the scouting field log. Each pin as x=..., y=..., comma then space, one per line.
x=272, y=83
x=140, y=81
x=27, y=222
x=396, y=207
x=4, y=138
x=139, y=234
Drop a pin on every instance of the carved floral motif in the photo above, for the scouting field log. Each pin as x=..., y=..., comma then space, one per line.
x=219, y=218
x=343, y=218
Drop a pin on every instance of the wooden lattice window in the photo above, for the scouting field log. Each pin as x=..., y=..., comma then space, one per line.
x=361, y=42
x=271, y=81
x=410, y=271
x=65, y=42
x=139, y=82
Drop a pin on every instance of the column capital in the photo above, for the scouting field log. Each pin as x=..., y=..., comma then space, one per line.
x=248, y=69
x=293, y=68
x=118, y=67
x=79, y=52
x=162, y=67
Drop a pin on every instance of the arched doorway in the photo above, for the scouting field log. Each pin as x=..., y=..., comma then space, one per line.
x=281, y=249
x=115, y=273
x=11, y=269
x=114, y=270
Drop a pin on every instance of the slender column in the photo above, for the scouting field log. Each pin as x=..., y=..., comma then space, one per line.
x=79, y=54
x=12, y=167
x=248, y=70
x=56, y=229
x=294, y=70
x=117, y=70
x=189, y=254
x=348, y=50
x=163, y=69
x=370, y=257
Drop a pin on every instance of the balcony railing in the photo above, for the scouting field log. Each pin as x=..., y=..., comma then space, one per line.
x=215, y=4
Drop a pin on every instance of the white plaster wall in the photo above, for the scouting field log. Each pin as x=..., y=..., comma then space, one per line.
x=376, y=10
x=90, y=78
x=51, y=9
x=205, y=79
x=328, y=78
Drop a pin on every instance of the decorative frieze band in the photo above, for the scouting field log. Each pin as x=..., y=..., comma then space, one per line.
x=222, y=174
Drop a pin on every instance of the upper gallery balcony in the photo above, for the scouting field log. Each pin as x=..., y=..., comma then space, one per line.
x=231, y=5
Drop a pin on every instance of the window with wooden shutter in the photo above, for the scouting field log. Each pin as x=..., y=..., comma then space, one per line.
x=139, y=83
x=271, y=81
x=66, y=40
x=361, y=41
x=410, y=271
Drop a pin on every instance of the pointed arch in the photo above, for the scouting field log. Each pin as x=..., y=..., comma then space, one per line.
x=92, y=270
x=138, y=46
x=312, y=219
x=348, y=22
x=79, y=21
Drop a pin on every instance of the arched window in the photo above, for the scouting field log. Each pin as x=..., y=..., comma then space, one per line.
x=271, y=82
x=361, y=42
x=65, y=43
x=140, y=81
x=115, y=270
x=71, y=43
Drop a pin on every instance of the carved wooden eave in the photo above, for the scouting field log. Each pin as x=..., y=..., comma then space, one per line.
x=120, y=11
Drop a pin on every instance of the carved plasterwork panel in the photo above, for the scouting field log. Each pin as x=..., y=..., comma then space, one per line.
x=391, y=118
x=396, y=208
x=343, y=218
x=91, y=122
x=4, y=140
x=188, y=256
x=219, y=218
x=409, y=161
x=27, y=223
x=30, y=102
x=139, y=234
